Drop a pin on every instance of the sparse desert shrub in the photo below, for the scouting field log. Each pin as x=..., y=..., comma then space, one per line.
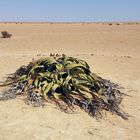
x=5, y=34
x=110, y=24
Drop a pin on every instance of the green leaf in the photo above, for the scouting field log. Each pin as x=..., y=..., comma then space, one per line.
x=54, y=87
x=74, y=65
x=36, y=83
x=48, y=88
x=57, y=95
x=22, y=78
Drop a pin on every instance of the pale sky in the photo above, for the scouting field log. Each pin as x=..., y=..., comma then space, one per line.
x=70, y=10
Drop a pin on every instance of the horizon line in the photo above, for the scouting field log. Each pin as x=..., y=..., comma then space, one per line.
x=138, y=21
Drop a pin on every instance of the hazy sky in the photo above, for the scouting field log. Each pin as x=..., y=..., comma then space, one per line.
x=70, y=10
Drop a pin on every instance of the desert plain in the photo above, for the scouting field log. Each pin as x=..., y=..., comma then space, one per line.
x=112, y=51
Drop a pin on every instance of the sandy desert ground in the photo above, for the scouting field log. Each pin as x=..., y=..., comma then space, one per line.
x=113, y=52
